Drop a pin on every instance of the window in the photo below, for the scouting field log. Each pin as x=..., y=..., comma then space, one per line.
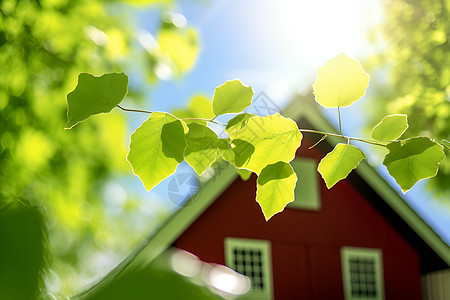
x=251, y=258
x=362, y=273
x=307, y=188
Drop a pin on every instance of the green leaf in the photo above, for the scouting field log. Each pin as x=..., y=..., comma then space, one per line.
x=181, y=46
x=390, y=128
x=237, y=122
x=201, y=107
x=340, y=82
x=275, y=188
x=184, y=113
x=156, y=148
x=231, y=97
x=337, y=164
x=202, y=146
x=225, y=150
x=94, y=95
x=227, y=154
x=412, y=160
x=244, y=174
x=265, y=140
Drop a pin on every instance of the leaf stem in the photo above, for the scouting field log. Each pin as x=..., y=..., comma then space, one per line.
x=339, y=116
x=343, y=137
x=317, y=143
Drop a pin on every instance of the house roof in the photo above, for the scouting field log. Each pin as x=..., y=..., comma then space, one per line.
x=434, y=253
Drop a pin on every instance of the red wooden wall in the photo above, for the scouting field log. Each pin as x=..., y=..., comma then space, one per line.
x=306, y=244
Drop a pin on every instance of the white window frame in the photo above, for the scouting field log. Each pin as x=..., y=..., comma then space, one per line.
x=376, y=255
x=266, y=258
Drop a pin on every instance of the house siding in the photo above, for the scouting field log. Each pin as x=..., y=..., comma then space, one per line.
x=436, y=285
x=306, y=244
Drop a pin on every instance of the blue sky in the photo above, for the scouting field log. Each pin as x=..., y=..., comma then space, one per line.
x=276, y=47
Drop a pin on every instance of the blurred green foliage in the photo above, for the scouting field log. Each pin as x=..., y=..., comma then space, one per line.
x=44, y=45
x=157, y=280
x=417, y=61
x=151, y=283
x=22, y=254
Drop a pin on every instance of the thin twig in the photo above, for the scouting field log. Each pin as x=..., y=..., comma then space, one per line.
x=339, y=116
x=207, y=120
x=325, y=134
x=343, y=137
x=445, y=146
x=134, y=110
x=149, y=112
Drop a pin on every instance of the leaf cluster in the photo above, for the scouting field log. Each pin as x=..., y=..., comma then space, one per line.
x=263, y=145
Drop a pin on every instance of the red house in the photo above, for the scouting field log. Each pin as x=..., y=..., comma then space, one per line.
x=358, y=240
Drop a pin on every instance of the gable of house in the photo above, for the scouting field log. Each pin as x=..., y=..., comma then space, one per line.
x=306, y=245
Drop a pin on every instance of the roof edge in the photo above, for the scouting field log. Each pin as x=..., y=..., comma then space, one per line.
x=169, y=231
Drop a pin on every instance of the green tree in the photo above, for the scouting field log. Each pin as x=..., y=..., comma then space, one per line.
x=43, y=45
x=417, y=60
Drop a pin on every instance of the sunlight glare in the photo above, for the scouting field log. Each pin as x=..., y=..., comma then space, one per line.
x=288, y=40
x=226, y=280
x=319, y=30
x=185, y=263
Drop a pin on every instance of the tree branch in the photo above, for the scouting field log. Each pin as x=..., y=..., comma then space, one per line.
x=149, y=112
